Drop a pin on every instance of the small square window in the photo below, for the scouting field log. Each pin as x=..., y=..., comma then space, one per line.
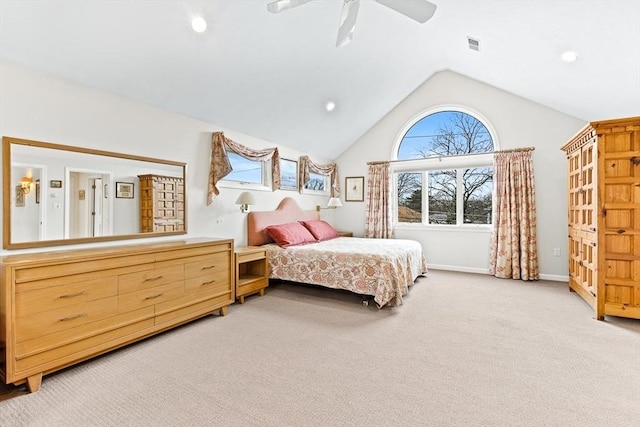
x=317, y=184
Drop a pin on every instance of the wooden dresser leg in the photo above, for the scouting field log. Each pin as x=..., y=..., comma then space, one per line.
x=33, y=382
x=223, y=311
x=241, y=299
x=262, y=292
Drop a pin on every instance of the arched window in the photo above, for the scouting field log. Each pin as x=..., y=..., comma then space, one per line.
x=444, y=172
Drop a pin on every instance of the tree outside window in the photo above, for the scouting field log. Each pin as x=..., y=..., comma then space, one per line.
x=454, y=196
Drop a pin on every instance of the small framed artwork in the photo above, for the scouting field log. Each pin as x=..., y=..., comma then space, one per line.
x=37, y=191
x=354, y=189
x=19, y=196
x=81, y=194
x=288, y=174
x=124, y=190
x=54, y=183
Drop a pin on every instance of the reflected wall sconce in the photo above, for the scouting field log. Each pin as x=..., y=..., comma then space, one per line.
x=333, y=203
x=25, y=184
x=245, y=199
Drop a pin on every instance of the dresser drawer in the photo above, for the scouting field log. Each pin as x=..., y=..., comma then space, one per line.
x=51, y=321
x=91, y=346
x=196, y=289
x=250, y=256
x=150, y=278
x=45, y=299
x=209, y=281
x=192, y=310
x=206, y=264
x=149, y=297
x=65, y=337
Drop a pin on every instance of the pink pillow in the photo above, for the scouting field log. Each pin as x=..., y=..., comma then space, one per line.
x=290, y=234
x=321, y=230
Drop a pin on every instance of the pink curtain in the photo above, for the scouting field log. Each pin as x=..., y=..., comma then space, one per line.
x=514, y=251
x=378, y=222
x=221, y=167
x=330, y=169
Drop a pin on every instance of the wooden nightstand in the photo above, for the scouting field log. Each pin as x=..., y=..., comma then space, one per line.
x=251, y=271
x=345, y=233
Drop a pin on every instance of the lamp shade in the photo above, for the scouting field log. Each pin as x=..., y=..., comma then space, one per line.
x=245, y=198
x=334, y=202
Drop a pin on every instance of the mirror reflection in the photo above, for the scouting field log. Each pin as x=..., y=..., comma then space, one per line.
x=57, y=194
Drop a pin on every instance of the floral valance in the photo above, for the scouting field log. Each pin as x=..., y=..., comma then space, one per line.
x=221, y=167
x=331, y=169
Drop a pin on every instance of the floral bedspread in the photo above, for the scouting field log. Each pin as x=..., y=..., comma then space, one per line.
x=384, y=268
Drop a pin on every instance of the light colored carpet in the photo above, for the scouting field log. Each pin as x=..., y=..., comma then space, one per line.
x=463, y=350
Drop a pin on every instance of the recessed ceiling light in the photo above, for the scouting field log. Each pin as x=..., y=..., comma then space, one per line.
x=569, y=56
x=330, y=106
x=198, y=24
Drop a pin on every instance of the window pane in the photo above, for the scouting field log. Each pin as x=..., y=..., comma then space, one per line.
x=447, y=133
x=316, y=182
x=244, y=170
x=478, y=185
x=442, y=197
x=409, y=187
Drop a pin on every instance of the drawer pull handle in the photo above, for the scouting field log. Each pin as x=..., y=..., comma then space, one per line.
x=76, y=316
x=154, y=296
x=208, y=283
x=151, y=279
x=77, y=294
x=208, y=267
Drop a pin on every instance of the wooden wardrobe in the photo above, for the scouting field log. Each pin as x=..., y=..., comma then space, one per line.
x=162, y=203
x=604, y=216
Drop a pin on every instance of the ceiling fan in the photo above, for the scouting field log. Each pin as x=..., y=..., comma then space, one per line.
x=418, y=10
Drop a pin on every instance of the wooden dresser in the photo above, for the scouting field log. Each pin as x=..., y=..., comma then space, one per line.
x=58, y=308
x=604, y=216
x=162, y=203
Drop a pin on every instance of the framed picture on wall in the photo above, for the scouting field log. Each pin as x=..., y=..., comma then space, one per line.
x=37, y=191
x=55, y=183
x=124, y=190
x=354, y=189
x=288, y=174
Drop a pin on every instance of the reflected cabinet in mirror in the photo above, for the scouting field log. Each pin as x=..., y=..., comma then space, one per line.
x=58, y=195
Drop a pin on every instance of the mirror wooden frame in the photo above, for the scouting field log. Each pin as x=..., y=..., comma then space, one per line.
x=7, y=143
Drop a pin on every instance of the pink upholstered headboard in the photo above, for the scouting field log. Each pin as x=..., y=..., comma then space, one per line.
x=287, y=211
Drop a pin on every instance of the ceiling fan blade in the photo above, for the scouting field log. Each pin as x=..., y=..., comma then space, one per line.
x=280, y=5
x=347, y=22
x=418, y=10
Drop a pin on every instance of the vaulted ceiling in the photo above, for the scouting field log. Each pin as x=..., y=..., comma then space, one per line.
x=270, y=75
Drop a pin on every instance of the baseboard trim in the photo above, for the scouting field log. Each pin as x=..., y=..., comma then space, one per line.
x=458, y=268
x=554, y=278
x=550, y=277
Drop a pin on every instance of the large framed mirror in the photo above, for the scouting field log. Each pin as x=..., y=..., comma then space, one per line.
x=60, y=195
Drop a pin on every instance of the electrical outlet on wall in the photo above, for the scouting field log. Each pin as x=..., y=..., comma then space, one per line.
x=556, y=251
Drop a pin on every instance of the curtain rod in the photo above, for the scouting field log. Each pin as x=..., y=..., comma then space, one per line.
x=508, y=150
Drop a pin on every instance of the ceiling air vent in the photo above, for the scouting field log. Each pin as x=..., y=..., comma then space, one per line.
x=473, y=44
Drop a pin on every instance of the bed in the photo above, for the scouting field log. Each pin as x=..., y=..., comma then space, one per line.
x=381, y=268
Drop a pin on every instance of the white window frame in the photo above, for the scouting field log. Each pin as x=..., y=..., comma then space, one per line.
x=325, y=192
x=441, y=163
x=267, y=181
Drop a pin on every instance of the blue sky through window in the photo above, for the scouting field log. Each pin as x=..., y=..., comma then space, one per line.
x=244, y=170
x=420, y=135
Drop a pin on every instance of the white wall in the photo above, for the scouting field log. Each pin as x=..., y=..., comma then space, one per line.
x=41, y=107
x=517, y=123
x=44, y=108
